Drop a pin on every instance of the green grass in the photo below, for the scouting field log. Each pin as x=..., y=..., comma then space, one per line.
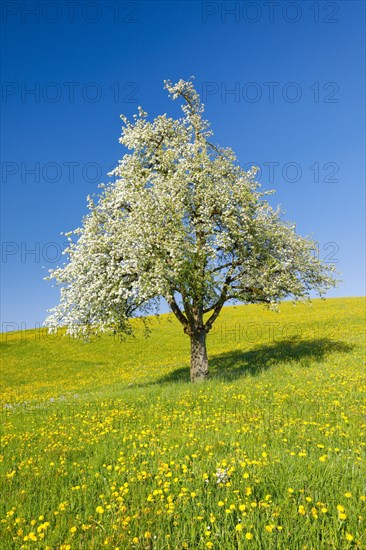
x=107, y=445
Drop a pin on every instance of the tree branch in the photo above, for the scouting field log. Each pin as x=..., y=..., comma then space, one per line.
x=223, y=296
x=219, y=304
x=228, y=264
x=216, y=310
x=177, y=312
x=187, y=307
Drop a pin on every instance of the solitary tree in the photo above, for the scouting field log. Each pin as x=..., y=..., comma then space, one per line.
x=183, y=221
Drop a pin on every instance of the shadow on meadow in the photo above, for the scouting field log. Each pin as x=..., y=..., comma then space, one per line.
x=234, y=364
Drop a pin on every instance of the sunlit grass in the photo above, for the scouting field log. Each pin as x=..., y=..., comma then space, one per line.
x=107, y=445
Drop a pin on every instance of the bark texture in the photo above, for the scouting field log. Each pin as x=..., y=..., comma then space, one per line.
x=199, y=360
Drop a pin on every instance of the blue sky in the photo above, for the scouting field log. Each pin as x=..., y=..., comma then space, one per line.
x=283, y=84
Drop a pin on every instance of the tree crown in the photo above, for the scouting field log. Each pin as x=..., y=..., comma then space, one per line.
x=183, y=221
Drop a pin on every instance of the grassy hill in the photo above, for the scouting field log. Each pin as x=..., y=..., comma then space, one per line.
x=107, y=445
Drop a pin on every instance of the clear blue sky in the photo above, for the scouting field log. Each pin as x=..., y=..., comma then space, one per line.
x=297, y=73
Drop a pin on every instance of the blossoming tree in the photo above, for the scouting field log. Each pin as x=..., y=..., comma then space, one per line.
x=183, y=221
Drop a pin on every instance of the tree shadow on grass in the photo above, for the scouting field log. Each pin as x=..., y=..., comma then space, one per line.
x=237, y=363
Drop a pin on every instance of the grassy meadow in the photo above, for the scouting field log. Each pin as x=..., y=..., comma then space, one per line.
x=107, y=445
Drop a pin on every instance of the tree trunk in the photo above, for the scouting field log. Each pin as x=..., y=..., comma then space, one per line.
x=199, y=360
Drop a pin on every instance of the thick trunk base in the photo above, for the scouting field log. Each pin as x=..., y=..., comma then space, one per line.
x=199, y=360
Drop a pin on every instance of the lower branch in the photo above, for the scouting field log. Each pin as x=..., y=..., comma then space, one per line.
x=177, y=312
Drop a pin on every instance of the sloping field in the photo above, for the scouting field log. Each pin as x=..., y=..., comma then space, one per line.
x=107, y=445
